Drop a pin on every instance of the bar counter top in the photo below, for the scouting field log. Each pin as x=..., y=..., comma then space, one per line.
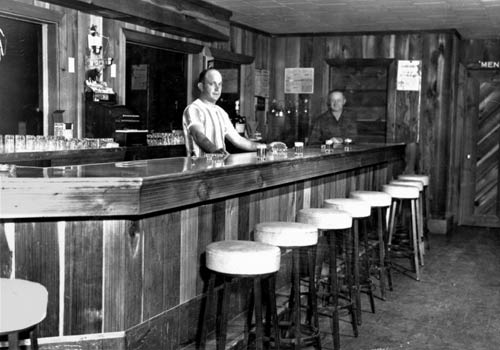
x=136, y=188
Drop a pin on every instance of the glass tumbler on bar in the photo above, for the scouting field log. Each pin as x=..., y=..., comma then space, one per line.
x=20, y=143
x=329, y=146
x=30, y=143
x=261, y=152
x=9, y=144
x=299, y=149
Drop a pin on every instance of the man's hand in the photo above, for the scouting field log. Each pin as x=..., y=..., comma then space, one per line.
x=337, y=140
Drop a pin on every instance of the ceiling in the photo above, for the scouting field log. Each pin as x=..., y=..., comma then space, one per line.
x=472, y=18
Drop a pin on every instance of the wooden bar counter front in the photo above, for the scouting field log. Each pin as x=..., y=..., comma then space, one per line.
x=119, y=246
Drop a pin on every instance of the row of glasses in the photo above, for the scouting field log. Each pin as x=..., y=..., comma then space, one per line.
x=165, y=138
x=39, y=143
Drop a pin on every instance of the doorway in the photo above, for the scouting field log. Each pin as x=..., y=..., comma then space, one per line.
x=21, y=73
x=156, y=86
x=480, y=196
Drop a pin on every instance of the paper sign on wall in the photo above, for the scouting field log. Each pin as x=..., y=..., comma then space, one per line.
x=409, y=75
x=299, y=80
x=262, y=83
x=139, y=77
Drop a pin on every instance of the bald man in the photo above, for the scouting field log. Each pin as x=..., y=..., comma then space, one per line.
x=206, y=125
x=335, y=124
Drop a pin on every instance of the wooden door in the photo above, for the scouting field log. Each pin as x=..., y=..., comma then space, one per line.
x=480, y=195
x=365, y=86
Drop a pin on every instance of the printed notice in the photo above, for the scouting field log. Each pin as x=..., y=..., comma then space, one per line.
x=409, y=75
x=299, y=80
x=262, y=83
x=139, y=77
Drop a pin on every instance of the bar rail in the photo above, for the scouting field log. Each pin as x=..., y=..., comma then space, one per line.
x=138, y=188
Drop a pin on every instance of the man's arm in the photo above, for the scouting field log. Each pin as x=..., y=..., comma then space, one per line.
x=239, y=141
x=202, y=141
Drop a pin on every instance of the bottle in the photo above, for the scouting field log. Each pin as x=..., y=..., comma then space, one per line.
x=239, y=120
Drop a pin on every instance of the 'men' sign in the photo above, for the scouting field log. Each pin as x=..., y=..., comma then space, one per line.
x=489, y=64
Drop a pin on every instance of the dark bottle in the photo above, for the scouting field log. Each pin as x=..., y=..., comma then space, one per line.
x=239, y=120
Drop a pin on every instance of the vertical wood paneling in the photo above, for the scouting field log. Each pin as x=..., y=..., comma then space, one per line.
x=245, y=221
x=83, y=277
x=189, y=254
x=205, y=236
x=161, y=263
x=5, y=254
x=37, y=259
x=231, y=219
x=122, y=278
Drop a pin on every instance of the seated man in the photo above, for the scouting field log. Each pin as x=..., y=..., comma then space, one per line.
x=206, y=125
x=335, y=124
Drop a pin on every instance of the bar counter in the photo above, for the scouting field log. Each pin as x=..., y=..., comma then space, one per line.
x=119, y=246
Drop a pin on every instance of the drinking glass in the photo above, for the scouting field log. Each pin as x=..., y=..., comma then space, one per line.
x=299, y=149
x=20, y=143
x=261, y=152
x=9, y=144
x=30, y=143
x=40, y=143
x=1, y=143
x=329, y=146
x=51, y=143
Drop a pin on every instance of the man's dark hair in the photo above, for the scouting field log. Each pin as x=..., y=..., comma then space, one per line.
x=203, y=74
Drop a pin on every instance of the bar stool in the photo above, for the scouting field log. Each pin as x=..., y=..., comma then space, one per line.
x=334, y=221
x=23, y=305
x=380, y=201
x=420, y=218
x=358, y=210
x=241, y=259
x=300, y=238
x=400, y=194
x=426, y=208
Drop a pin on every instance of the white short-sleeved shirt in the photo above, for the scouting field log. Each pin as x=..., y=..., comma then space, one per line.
x=212, y=118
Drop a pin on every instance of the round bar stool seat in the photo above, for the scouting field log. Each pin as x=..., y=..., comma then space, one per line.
x=327, y=219
x=424, y=179
x=286, y=234
x=374, y=198
x=416, y=184
x=379, y=201
x=401, y=193
x=300, y=237
x=241, y=259
x=358, y=209
x=23, y=305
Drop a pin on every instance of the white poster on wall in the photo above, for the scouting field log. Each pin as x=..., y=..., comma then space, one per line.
x=262, y=83
x=139, y=77
x=299, y=80
x=409, y=75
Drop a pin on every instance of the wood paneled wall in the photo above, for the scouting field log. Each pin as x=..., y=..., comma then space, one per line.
x=424, y=117
x=146, y=276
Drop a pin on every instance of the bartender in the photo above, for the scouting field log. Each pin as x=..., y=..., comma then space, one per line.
x=336, y=124
x=206, y=125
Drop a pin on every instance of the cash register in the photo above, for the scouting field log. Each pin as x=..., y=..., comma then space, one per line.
x=106, y=119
